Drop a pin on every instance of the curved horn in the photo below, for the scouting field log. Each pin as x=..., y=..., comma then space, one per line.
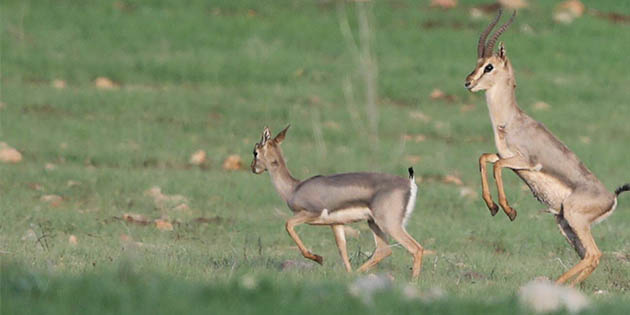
x=482, y=38
x=490, y=46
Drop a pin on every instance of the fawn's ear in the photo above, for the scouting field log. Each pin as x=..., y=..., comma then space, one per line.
x=266, y=136
x=281, y=135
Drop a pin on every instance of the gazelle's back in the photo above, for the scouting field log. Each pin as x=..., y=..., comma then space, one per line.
x=340, y=191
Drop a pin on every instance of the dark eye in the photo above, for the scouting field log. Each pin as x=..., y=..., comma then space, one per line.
x=255, y=153
x=488, y=68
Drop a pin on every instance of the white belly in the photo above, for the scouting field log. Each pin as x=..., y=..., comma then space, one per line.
x=342, y=216
x=547, y=189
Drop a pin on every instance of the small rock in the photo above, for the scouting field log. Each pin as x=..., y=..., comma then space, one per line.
x=436, y=94
x=163, y=225
x=50, y=167
x=233, y=163
x=9, y=154
x=568, y=11
x=513, y=4
x=443, y=4
x=105, y=83
x=198, y=158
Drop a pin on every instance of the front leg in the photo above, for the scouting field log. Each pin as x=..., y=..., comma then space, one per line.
x=301, y=218
x=485, y=190
x=340, y=238
x=515, y=163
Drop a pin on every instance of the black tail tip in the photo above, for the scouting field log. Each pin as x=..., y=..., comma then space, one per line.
x=410, y=169
x=622, y=188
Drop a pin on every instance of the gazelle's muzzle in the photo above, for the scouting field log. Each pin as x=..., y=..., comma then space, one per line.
x=255, y=168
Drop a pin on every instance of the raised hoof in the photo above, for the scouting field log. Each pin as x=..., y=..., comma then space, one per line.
x=318, y=259
x=511, y=214
x=494, y=209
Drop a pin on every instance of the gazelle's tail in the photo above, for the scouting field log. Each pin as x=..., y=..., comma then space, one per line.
x=413, y=190
x=618, y=191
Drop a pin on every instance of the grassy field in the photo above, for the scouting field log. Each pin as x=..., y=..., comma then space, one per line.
x=209, y=75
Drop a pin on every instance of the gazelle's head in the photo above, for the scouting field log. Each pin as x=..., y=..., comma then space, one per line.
x=267, y=152
x=491, y=68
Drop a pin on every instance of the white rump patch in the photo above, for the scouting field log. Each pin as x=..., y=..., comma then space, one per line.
x=411, y=203
x=607, y=214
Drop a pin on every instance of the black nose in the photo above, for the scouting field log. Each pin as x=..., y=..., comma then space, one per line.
x=467, y=84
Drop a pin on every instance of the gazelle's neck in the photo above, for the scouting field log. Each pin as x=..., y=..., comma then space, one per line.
x=282, y=179
x=501, y=102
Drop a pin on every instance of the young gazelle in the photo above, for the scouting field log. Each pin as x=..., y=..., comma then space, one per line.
x=553, y=173
x=385, y=201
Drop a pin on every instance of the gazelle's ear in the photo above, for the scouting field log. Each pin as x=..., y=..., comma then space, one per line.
x=502, y=53
x=266, y=136
x=281, y=135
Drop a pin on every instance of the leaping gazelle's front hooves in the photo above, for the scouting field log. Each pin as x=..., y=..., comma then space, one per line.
x=510, y=212
x=494, y=209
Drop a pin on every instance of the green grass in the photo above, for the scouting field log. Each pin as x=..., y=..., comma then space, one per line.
x=210, y=75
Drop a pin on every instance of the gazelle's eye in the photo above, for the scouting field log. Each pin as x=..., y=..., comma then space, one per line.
x=488, y=68
x=255, y=153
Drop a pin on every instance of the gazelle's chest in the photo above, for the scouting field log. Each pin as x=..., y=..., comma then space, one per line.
x=501, y=142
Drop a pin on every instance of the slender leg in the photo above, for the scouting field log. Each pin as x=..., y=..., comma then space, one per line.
x=382, y=248
x=570, y=235
x=416, y=250
x=340, y=238
x=298, y=219
x=590, y=261
x=515, y=163
x=485, y=190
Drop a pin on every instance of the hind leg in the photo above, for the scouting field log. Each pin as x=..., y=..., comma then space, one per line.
x=590, y=258
x=416, y=250
x=570, y=235
x=382, y=247
x=580, y=210
x=389, y=211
